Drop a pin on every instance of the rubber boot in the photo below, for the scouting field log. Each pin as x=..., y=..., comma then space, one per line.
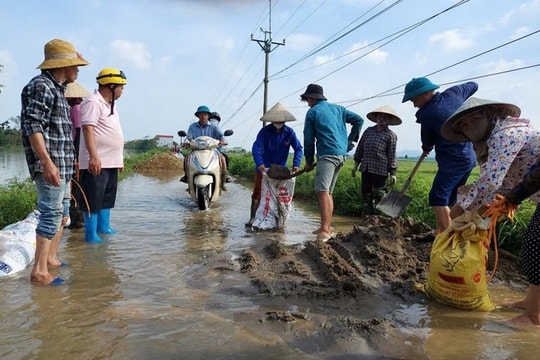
x=370, y=204
x=103, y=218
x=378, y=194
x=90, y=227
x=224, y=176
x=253, y=212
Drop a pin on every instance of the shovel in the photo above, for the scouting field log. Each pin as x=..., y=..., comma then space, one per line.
x=277, y=172
x=393, y=203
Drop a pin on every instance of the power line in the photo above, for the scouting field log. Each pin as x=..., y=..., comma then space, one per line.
x=324, y=46
x=454, y=64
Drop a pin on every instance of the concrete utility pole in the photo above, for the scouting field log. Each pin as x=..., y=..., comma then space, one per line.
x=266, y=46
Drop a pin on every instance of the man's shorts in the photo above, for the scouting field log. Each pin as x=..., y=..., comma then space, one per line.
x=327, y=171
x=53, y=204
x=98, y=190
x=445, y=185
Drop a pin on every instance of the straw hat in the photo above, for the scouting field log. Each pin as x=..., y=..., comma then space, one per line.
x=385, y=109
x=470, y=106
x=278, y=113
x=75, y=90
x=59, y=54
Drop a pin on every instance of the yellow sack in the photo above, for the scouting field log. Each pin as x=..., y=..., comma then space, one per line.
x=457, y=269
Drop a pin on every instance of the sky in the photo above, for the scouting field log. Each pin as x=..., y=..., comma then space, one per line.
x=180, y=54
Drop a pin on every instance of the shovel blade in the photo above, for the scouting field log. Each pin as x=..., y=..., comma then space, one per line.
x=393, y=203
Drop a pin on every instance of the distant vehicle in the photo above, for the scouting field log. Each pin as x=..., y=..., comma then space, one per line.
x=203, y=171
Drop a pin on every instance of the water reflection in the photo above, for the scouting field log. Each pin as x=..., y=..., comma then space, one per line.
x=71, y=319
x=160, y=289
x=204, y=231
x=12, y=165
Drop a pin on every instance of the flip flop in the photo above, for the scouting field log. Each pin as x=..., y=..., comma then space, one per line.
x=56, y=281
x=64, y=264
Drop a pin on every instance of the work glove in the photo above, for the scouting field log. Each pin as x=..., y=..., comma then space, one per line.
x=391, y=182
x=355, y=169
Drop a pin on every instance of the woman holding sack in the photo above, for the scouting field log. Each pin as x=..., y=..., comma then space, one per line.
x=506, y=148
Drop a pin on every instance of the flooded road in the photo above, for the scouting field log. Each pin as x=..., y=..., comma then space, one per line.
x=167, y=286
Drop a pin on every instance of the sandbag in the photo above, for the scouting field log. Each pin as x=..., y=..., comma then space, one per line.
x=275, y=204
x=457, y=273
x=18, y=244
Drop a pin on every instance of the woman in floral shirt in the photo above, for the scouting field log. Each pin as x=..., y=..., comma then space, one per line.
x=507, y=148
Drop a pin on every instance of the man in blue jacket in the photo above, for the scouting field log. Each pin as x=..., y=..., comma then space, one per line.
x=325, y=128
x=455, y=160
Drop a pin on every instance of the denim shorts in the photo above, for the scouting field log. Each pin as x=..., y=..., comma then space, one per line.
x=445, y=185
x=53, y=205
x=328, y=167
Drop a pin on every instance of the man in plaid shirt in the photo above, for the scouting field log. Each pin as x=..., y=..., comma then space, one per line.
x=49, y=150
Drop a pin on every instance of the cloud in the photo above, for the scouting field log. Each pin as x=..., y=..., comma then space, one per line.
x=530, y=9
x=323, y=59
x=522, y=31
x=451, y=40
x=133, y=52
x=500, y=65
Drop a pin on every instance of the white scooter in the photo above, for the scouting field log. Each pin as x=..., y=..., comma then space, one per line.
x=203, y=171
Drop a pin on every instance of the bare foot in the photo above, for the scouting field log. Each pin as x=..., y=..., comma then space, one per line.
x=319, y=230
x=521, y=304
x=41, y=279
x=54, y=264
x=523, y=321
x=324, y=236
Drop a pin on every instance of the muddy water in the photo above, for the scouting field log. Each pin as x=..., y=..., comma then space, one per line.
x=148, y=293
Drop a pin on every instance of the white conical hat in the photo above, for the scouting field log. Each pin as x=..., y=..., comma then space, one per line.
x=385, y=109
x=278, y=113
x=470, y=106
x=75, y=90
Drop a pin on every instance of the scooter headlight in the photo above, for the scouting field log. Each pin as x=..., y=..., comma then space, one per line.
x=202, y=144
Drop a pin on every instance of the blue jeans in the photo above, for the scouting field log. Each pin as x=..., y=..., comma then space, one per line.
x=53, y=205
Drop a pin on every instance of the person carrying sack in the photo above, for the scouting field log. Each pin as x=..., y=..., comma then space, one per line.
x=506, y=147
x=271, y=147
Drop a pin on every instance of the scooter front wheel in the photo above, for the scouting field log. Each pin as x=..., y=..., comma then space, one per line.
x=203, y=197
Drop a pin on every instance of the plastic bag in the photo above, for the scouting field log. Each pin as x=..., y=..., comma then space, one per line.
x=18, y=244
x=457, y=270
x=275, y=204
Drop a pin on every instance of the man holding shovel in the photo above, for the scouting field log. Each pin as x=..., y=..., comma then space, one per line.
x=455, y=160
x=325, y=128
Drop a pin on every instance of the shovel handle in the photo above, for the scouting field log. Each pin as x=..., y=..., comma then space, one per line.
x=413, y=172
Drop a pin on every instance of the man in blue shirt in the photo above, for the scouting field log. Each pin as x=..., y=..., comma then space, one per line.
x=272, y=147
x=204, y=127
x=325, y=127
x=455, y=160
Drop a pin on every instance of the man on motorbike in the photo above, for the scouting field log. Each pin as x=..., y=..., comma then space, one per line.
x=215, y=118
x=204, y=127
